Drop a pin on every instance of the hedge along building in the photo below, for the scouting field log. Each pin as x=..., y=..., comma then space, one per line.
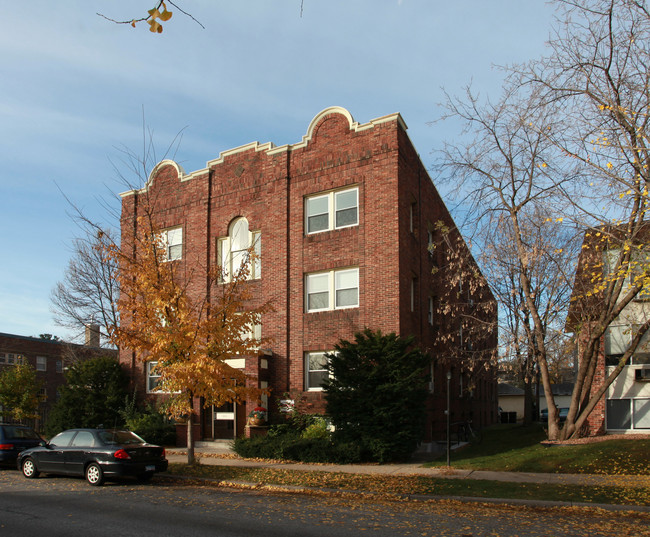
x=350, y=233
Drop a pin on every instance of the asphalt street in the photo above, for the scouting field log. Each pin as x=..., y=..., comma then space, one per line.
x=58, y=506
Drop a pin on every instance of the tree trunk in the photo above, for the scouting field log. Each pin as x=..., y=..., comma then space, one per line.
x=528, y=402
x=190, y=435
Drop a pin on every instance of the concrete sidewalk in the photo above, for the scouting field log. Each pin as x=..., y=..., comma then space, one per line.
x=220, y=454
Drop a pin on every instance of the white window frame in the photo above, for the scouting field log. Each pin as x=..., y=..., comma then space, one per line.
x=152, y=377
x=172, y=238
x=254, y=330
x=308, y=355
x=637, y=420
x=332, y=199
x=225, y=254
x=331, y=279
x=41, y=363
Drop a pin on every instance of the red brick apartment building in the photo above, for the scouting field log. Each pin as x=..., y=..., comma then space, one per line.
x=49, y=358
x=343, y=222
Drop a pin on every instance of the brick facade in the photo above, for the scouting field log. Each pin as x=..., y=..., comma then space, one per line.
x=49, y=359
x=268, y=185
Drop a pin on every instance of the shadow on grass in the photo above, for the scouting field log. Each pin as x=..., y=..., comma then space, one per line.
x=518, y=448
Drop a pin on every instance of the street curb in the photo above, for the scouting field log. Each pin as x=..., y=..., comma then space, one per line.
x=296, y=489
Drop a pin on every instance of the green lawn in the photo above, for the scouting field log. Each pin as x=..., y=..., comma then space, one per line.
x=518, y=449
x=503, y=448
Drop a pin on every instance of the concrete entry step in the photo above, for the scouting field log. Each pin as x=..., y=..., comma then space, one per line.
x=214, y=446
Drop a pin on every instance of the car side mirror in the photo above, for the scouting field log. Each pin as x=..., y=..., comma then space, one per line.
x=43, y=443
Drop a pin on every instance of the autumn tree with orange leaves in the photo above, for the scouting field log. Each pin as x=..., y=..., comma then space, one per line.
x=570, y=139
x=188, y=336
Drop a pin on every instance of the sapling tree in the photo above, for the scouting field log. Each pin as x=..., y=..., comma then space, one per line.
x=187, y=335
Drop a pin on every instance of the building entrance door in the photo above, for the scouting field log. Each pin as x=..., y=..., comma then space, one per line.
x=224, y=419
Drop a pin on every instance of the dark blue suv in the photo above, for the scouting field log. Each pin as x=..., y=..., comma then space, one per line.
x=14, y=439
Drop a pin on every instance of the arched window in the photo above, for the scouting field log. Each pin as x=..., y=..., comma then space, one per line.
x=242, y=248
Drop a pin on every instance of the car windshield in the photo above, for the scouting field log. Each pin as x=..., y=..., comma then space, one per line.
x=122, y=438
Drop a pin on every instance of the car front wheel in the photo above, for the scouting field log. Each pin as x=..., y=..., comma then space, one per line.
x=94, y=474
x=29, y=468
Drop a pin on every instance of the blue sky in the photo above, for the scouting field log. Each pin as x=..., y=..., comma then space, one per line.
x=73, y=88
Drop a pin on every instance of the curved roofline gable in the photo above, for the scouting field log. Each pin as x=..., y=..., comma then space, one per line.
x=327, y=112
x=154, y=172
x=354, y=126
x=269, y=148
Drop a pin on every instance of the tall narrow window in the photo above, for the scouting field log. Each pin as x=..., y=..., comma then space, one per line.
x=253, y=331
x=153, y=377
x=430, y=314
x=41, y=363
x=318, y=289
x=347, y=288
x=318, y=209
x=315, y=370
x=346, y=203
x=173, y=243
x=240, y=250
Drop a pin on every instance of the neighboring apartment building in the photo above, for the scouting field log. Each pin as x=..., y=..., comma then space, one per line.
x=49, y=358
x=625, y=408
x=344, y=223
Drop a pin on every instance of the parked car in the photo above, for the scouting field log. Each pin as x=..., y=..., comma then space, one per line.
x=564, y=412
x=14, y=439
x=96, y=454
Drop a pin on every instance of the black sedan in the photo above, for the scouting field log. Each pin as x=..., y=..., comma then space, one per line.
x=96, y=454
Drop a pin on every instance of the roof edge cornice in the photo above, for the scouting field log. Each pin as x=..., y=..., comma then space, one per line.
x=269, y=147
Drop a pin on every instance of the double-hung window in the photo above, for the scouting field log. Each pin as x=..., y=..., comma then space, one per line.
x=335, y=289
x=153, y=377
x=240, y=250
x=332, y=210
x=315, y=370
x=252, y=332
x=172, y=240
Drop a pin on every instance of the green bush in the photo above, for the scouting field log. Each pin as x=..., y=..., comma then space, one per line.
x=272, y=446
x=296, y=448
x=153, y=426
x=92, y=396
x=318, y=429
x=303, y=438
x=376, y=394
